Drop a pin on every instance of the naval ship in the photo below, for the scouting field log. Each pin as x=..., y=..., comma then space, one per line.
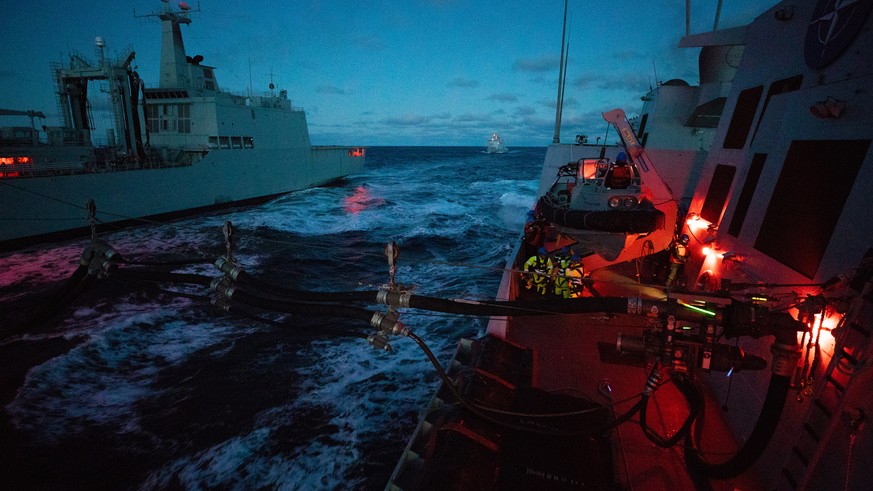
x=183, y=147
x=752, y=371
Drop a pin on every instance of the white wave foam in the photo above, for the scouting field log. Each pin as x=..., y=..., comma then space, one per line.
x=100, y=381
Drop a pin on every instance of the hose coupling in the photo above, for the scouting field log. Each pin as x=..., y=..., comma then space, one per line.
x=222, y=286
x=221, y=303
x=393, y=297
x=228, y=267
x=379, y=341
x=653, y=380
x=388, y=323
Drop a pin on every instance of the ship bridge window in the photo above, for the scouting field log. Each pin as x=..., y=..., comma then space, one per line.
x=224, y=141
x=807, y=203
x=744, y=114
x=213, y=142
x=707, y=114
x=778, y=87
x=236, y=141
x=152, y=118
x=168, y=118
x=248, y=142
x=165, y=94
x=747, y=193
x=168, y=114
x=641, y=133
x=184, y=124
x=589, y=168
x=717, y=194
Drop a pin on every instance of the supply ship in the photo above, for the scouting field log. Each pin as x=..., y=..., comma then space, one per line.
x=183, y=147
x=751, y=372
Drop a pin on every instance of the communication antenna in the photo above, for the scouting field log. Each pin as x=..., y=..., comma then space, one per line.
x=560, y=100
x=717, y=16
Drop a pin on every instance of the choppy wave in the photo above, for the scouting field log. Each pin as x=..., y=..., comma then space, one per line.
x=173, y=394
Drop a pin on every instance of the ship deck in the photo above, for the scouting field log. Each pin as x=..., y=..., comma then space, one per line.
x=575, y=354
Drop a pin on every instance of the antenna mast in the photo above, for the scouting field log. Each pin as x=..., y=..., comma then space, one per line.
x=560, y=100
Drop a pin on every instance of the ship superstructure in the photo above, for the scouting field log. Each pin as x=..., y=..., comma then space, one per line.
x=178, y=148
x=777, y=173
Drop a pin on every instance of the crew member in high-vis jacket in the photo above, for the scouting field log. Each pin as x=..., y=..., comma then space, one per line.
x=537, y=270
x=678, y=256
x=575, y=273
x=559, y=273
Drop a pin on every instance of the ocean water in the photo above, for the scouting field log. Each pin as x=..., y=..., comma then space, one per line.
x=156, y=389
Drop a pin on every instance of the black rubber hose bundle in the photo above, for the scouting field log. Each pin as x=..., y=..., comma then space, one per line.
x=70, y=283
x=78, y=282
x=512, y=308
x=695, y=407
x=329, y=310
x=161, y=276
x=756, y=443
x=250, y=282
x=321, y=331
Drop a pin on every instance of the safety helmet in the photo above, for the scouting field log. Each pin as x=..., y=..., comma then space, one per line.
x=621, y=157
x=683, y=239
x=542, y=251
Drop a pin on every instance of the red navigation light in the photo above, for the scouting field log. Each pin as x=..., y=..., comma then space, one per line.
x=184, y=6
x=356, y=152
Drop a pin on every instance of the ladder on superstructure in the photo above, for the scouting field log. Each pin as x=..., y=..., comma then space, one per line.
x=832, y=419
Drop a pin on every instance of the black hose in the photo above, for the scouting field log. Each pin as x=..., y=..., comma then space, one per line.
x=757, y=441
x=513, y=307
x=328, y=310
x=175, y=262
x=161, y=276
x=250, y=282
x=266, y=290
x=71, y=290
x=323, y=331
x=71, y=282
x=73, y=286
x=695, y=407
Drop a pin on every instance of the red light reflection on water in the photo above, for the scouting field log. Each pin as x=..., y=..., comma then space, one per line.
x=359, y=201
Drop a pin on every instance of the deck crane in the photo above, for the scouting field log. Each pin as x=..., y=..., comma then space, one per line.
x=30, y=114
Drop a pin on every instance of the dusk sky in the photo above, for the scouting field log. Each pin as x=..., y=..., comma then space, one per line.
x=420, y=72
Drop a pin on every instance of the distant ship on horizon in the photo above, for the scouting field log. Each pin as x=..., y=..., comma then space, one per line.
x=180, y=148
x=495, y=145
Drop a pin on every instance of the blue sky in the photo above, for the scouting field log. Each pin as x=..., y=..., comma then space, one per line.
x=428, y=72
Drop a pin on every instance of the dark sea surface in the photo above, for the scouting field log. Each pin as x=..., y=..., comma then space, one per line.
x=135, y=387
